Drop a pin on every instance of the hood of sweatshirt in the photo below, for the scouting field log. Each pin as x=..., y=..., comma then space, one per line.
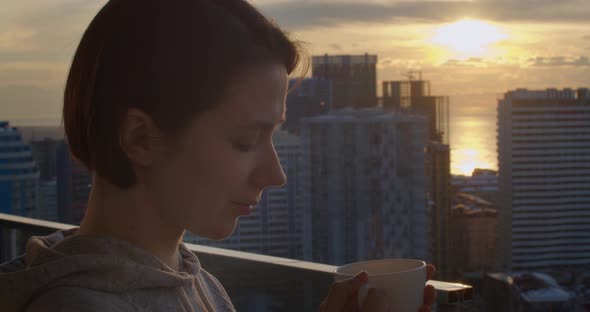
x=93, y=262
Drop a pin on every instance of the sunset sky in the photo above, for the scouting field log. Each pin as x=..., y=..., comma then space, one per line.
x=471, y=51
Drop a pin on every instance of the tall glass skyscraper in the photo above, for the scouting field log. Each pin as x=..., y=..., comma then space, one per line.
x=19, y=176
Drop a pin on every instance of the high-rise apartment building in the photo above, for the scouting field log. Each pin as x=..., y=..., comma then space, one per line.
x=363, y=181
x=275, y=227
x=73, y=186
x=438, y=172
x=413, y=96
x=19, y=175
x=310, y=97
x=354, y=78
x=472, y=235
x=544, y=184
x=48, y=200
x=45, y=155
x=482, y=183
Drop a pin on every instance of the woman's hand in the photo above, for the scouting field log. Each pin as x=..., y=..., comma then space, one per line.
x=343, y=295
x=429, y=291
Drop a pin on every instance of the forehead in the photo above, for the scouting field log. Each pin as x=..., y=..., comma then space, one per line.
x=257, y=94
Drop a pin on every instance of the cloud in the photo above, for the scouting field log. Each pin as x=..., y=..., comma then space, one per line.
x=308, y=14
x=559, y=61
x=477, y=62
x=336, y=46
x=474, y=62
x=47, y=30
x=38, y=39
x=386, y=62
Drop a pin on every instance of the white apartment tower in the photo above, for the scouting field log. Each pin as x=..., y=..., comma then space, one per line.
x=364, y=186
x=544, y=179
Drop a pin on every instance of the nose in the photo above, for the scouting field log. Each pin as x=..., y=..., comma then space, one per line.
x=269, y=172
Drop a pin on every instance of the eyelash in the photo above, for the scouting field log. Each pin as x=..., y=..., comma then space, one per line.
x=244, y=147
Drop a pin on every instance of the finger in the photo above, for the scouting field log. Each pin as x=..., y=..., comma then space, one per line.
x=351, y=305
x=429, y=295
x=376, y=301
x=341, y=291
x=430, y=271
x=424, y=308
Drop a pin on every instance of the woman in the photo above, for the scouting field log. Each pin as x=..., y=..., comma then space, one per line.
x=172, y=105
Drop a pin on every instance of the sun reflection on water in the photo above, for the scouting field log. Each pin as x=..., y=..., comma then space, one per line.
x=473, y=144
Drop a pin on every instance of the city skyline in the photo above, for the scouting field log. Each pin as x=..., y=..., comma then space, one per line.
x=534, y=45
x=456, y=132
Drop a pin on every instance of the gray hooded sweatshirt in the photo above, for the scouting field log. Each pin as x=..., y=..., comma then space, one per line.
x=68, y=272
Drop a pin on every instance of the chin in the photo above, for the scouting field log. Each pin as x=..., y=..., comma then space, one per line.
x=218, y=237
x=222, y=232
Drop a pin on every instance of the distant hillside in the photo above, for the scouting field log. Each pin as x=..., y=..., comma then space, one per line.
x=27, y=105
x=39, y=133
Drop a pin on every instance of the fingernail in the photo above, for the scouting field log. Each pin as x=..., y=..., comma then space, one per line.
x=362, y=276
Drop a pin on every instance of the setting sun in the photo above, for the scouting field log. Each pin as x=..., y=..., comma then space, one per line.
x=468, y=37
x=467, y=160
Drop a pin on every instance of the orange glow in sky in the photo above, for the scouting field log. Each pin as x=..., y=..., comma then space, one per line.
x=468, y=38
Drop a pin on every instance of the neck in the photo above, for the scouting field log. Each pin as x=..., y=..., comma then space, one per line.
x=129, y=215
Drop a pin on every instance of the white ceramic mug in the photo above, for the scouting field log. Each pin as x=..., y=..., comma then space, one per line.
x=402, y=279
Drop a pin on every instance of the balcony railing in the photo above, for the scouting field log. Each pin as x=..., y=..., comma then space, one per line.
x=254, y=282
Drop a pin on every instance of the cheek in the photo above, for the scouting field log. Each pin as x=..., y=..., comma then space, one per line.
x=230, y=168
x=211, y=176
x=205, y=176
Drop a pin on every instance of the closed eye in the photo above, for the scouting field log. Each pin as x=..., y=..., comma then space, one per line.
x=241, y=147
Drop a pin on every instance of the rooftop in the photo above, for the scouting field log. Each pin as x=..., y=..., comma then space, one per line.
x=534, y=287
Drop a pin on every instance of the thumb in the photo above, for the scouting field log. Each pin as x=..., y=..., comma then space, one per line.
x=341, y=292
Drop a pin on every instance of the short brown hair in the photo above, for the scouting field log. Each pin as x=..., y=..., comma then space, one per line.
x=171, y=59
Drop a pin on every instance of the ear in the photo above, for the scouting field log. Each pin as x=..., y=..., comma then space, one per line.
x=139, y=137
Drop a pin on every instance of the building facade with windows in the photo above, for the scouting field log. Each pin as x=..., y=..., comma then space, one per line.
x=307, y=98
x=48, y=209
x=354, y=78
x=19, y=175
x=45, y=156
x=73, y=186
x=544, y=179
x=364, y=186
x=414, y=97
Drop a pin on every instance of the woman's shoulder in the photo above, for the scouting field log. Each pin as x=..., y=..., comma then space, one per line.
x=69, y=298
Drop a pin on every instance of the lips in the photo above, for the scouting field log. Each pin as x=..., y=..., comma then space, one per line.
x=245, y=208
x=246, y=203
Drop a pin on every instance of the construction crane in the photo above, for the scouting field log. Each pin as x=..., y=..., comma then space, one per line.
x=411, y=74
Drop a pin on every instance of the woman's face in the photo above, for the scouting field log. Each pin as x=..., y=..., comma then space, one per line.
x=225, y=159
